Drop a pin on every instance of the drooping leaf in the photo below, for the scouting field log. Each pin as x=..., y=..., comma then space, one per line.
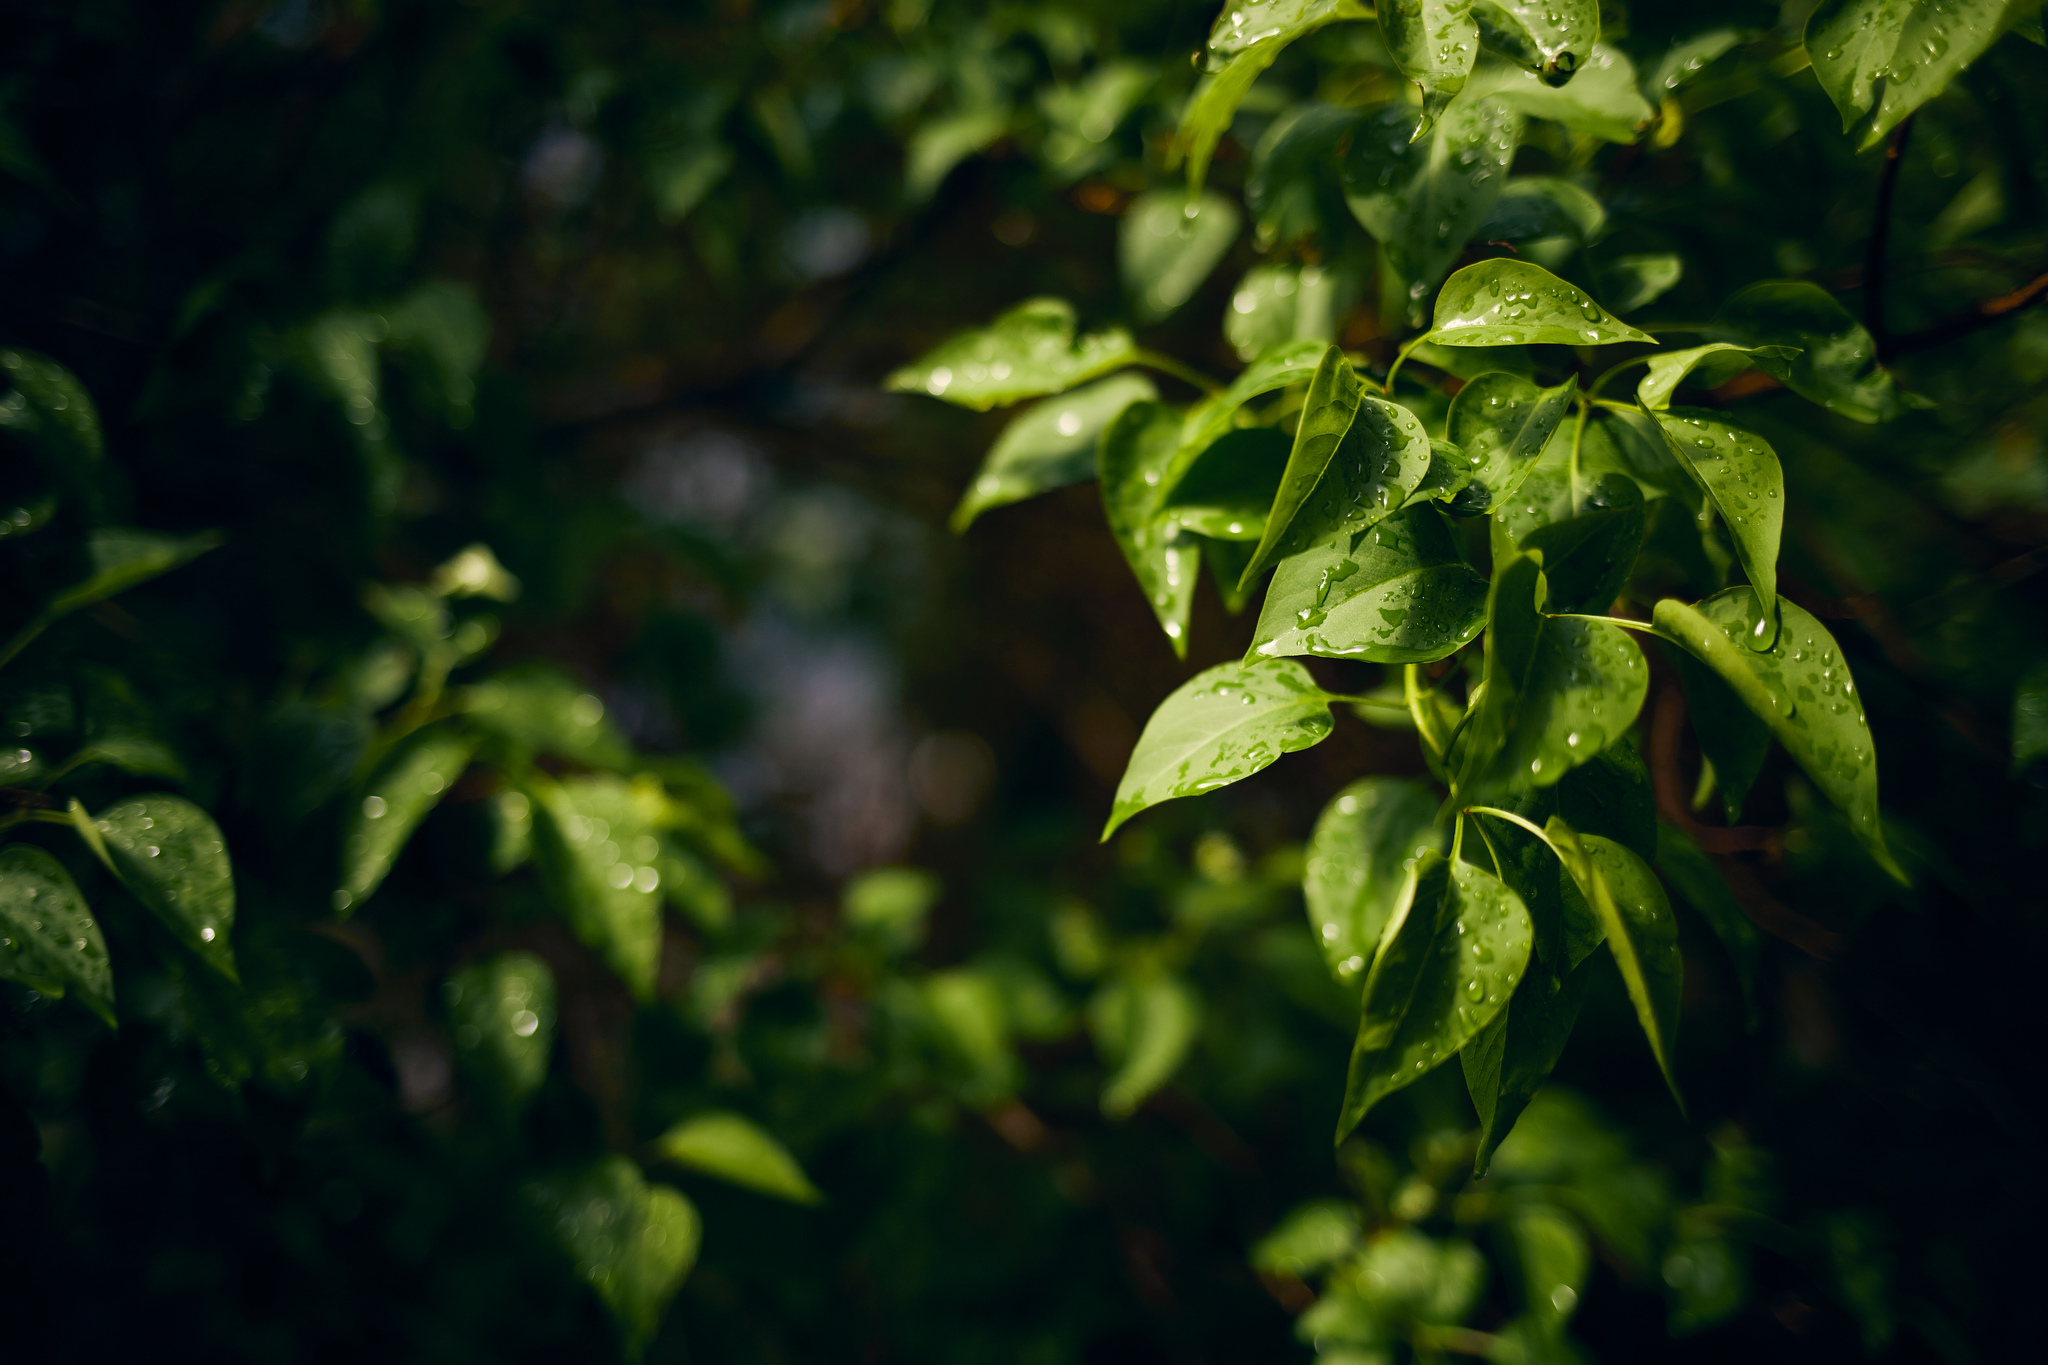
x=1732, y=737
x=1509, y=1061
x=122, y=557
x=1693, y=876
x=1502, y=422
x=1247, y=24
x=1507, y=302
x=738, y=1150
x=1478, y=937
x=1836, y=365
x=1630, y=282
x=49, y=940
x=1434, y=43
x=405, y=787
x=1220, y=726
x=1602, y=100
x=597, y=843
x=1553, y=38
x=1557, y=689
x=1168, y=243
x=1449, y=471
x=1398, y=593
x=1709, y=365
x=1145, y=1022
x=1587, y=555
x=1800, y=687
x=1612, y=797
x=172, y=856
x=1246, y=38
x=1027, y=352
x=1883, y=59
x=1539, y=206
x=1424, y=199
x=633, y=1242
x=536, y=710
x=1274, y=305
x=1136, y=452
x=1741, y=476
x=1224, y=496
x=1049, y=445
x=1358, y=864
x=501, y=1017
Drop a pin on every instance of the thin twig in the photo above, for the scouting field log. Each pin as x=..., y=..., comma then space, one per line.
x=1983, y=315
x=1881, y=232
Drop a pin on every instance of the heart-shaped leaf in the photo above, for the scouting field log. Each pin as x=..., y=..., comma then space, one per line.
x=501, y=1016
x=1510, y=303
x=171, y=855
x=1398, y=593
x=1357, y=866
x=1167, y=245
x=1221, y=726
x=49, y=940
x=1741, y=476
x=1475, y=938
x=1502, y=422
x=1434, y=43
x=1553, y=38
x=1800, y=687
x=633, y=1242
x=406, y=786
x=1511, y=1059
x=1132, y=463
x=739, y=1150
x=1709, y=365
x=1424, y=199
x=1836, y=365
x=1587, y=556
x=1026, y=352
x=1049, y=445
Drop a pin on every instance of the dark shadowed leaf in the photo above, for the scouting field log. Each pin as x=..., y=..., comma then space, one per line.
x=171, y=855
x=633, y=1242
x=1508, y=1062
x=406, y=786
x=1049, y=445
x=1502, y=422
x=1836, y=365
x=1693, y=876
x=49, y=940
x=1358, y=864
x=1424, y=199
x=1587, y=556
x=501, y=1018
x=1709, y=365
x=123, y=557
x=1227, y=492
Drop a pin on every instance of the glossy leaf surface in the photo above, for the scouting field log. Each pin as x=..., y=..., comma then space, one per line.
x=738, y=1150
x=1026, y=352
x=1134, y=457
x=501, y=1017
x=1553, y=38
x=599, y=851
x=1502, y=422
x=1220, y=726
x=49, y=940
x=1539, y=206
x=1049, y=445
x=172, y=856
x=1509, y=303
x=1709, y=365
x=1398, y=593
x=1883, y=59
x=1357, y=865
x=1434, y=43
x=1629, y=902
x=1328, y=410
x=1168, y=243
x=1251, y=22
x=410, y=783
x=1423, y=199
x=1247, y=37
x=633, y=1242
x=1741, y=476
x=1509, y=1061
x=1279, y=367
x=1836, y=365
x=1601, y=101
x=1587, y=556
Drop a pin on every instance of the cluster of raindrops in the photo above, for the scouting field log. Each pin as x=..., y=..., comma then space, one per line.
x=622, y=868
x=172, y=853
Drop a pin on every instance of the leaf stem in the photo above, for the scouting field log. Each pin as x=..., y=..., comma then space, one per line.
x=1400, y=359
x=1612, y=370
x=1881, y=234
x=1644, y=627
x=1497, y=813
x=1458, y=836
x=1166, y=364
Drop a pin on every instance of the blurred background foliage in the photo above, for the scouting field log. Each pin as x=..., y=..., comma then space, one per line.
x=609, y=289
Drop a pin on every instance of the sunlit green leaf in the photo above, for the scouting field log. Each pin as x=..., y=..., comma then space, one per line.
x=1475, y=935
x=1221, y=726
x=405, y=787
x=1509, y=1060
x=1507, y=302
x=1132, y=463
x=1049, y=445
x=1248, y=23
x=1398, y=593
x=123, y=557
x=1358, y=864
x=1602, y=100
x=1423, y=199
x=738, y=1150
x=1587, y=554
x=1800, y=687
x=1836, y=365
x=1026, y=352
x=1434, y=43
x=633, y=1242
x=599, y=850
x=1280, y=367
x=1553, y=38
x=1502, y=422
x=49, y=940
x=501, y=1018
x=1709, y=365
x=1742, y=478
x=1145, y=1022
x=172, y=856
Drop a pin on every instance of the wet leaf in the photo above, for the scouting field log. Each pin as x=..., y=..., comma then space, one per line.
x=1145, y=1022
x=123, y=557
x=1708, y=366
x=1687, y=58
x=1553, y=38
x=1245, y=39
x=1049, y=445
x=597, y=842
x=1168, y=243
x=1084, y=115
x=1026, y=352
x=1250, y=22
x=1537, y=206
x=1554, y=1261
x=49, y=940
x=1221, y=726
x=53, y=410
x=1277, y=304
x=633, y=1242
x=1397, y=593
x=1630, y=282
x=1602, y=100
x=1557, y=689
x=738, y=1150
x=1691, y=873
x=1358, y=865
x=1508, y=302
x=1502, y=422
x=1732, y=737
x=1881, y=59
x=1424, y=199
x=171, y=855
x=1836, y=365
x=1434, y=43
x=405, y=787
x=1509, y=1061
x=1801, y=688
x=1741, y=476
x=1474, y=936
x=1133, y=460
x=1587, y=556
x=1226, y=494
x=1279, y=367
x=534, y=710
x=501, y=1018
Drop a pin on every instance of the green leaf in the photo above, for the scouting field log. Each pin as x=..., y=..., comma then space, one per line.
x=738, y=1150
x=1226, y=494
x=1248, y=48
x=1509, y=1061
x=1693, y=876
x=943, y=143
x=1218, y=727
x=533, y=709
x=1246, y=24
x=1741, y=476
x=1292, y=188
x=1612, y=797
x=1687, y=58
x=1274, y=305
x=1733, y=739
x=1602, y=100
x=1538, y=206
x=2030, y=719
x=1473, y=936
x=1710, y=365
x=1310, y=1238
x=1587, y=556
x=1357, y=866
x=1082, y=117
x=1448, y=474
x=1049, y=445
x=889, y=905
x=1502, y=422
x=1554, y=1261
x=122, y=557
x=1629, y=902
x=51, y=408
x=1508, y=302
x=633, y=1242
x=1434, y=43
x=1168, y=243
x=1557, y=689
x=1800, y=687
x=596, y=841
x=1630, y=282
x=1355, y=460
x=1837, y=362
x=501, y=1017
x=971, y=1025
x=1553, y=38
x=1145, y=1022
x=1423, y=199
x=1026, y=352
x=1398, y=593
x=1133, y=460
x=49, y=940
x=171, y=855
x=1882, y=59
x=1279, y=367
x=408, y=784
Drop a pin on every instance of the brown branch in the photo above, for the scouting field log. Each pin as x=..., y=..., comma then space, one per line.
x=1881, y=232
x=1961, y=325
